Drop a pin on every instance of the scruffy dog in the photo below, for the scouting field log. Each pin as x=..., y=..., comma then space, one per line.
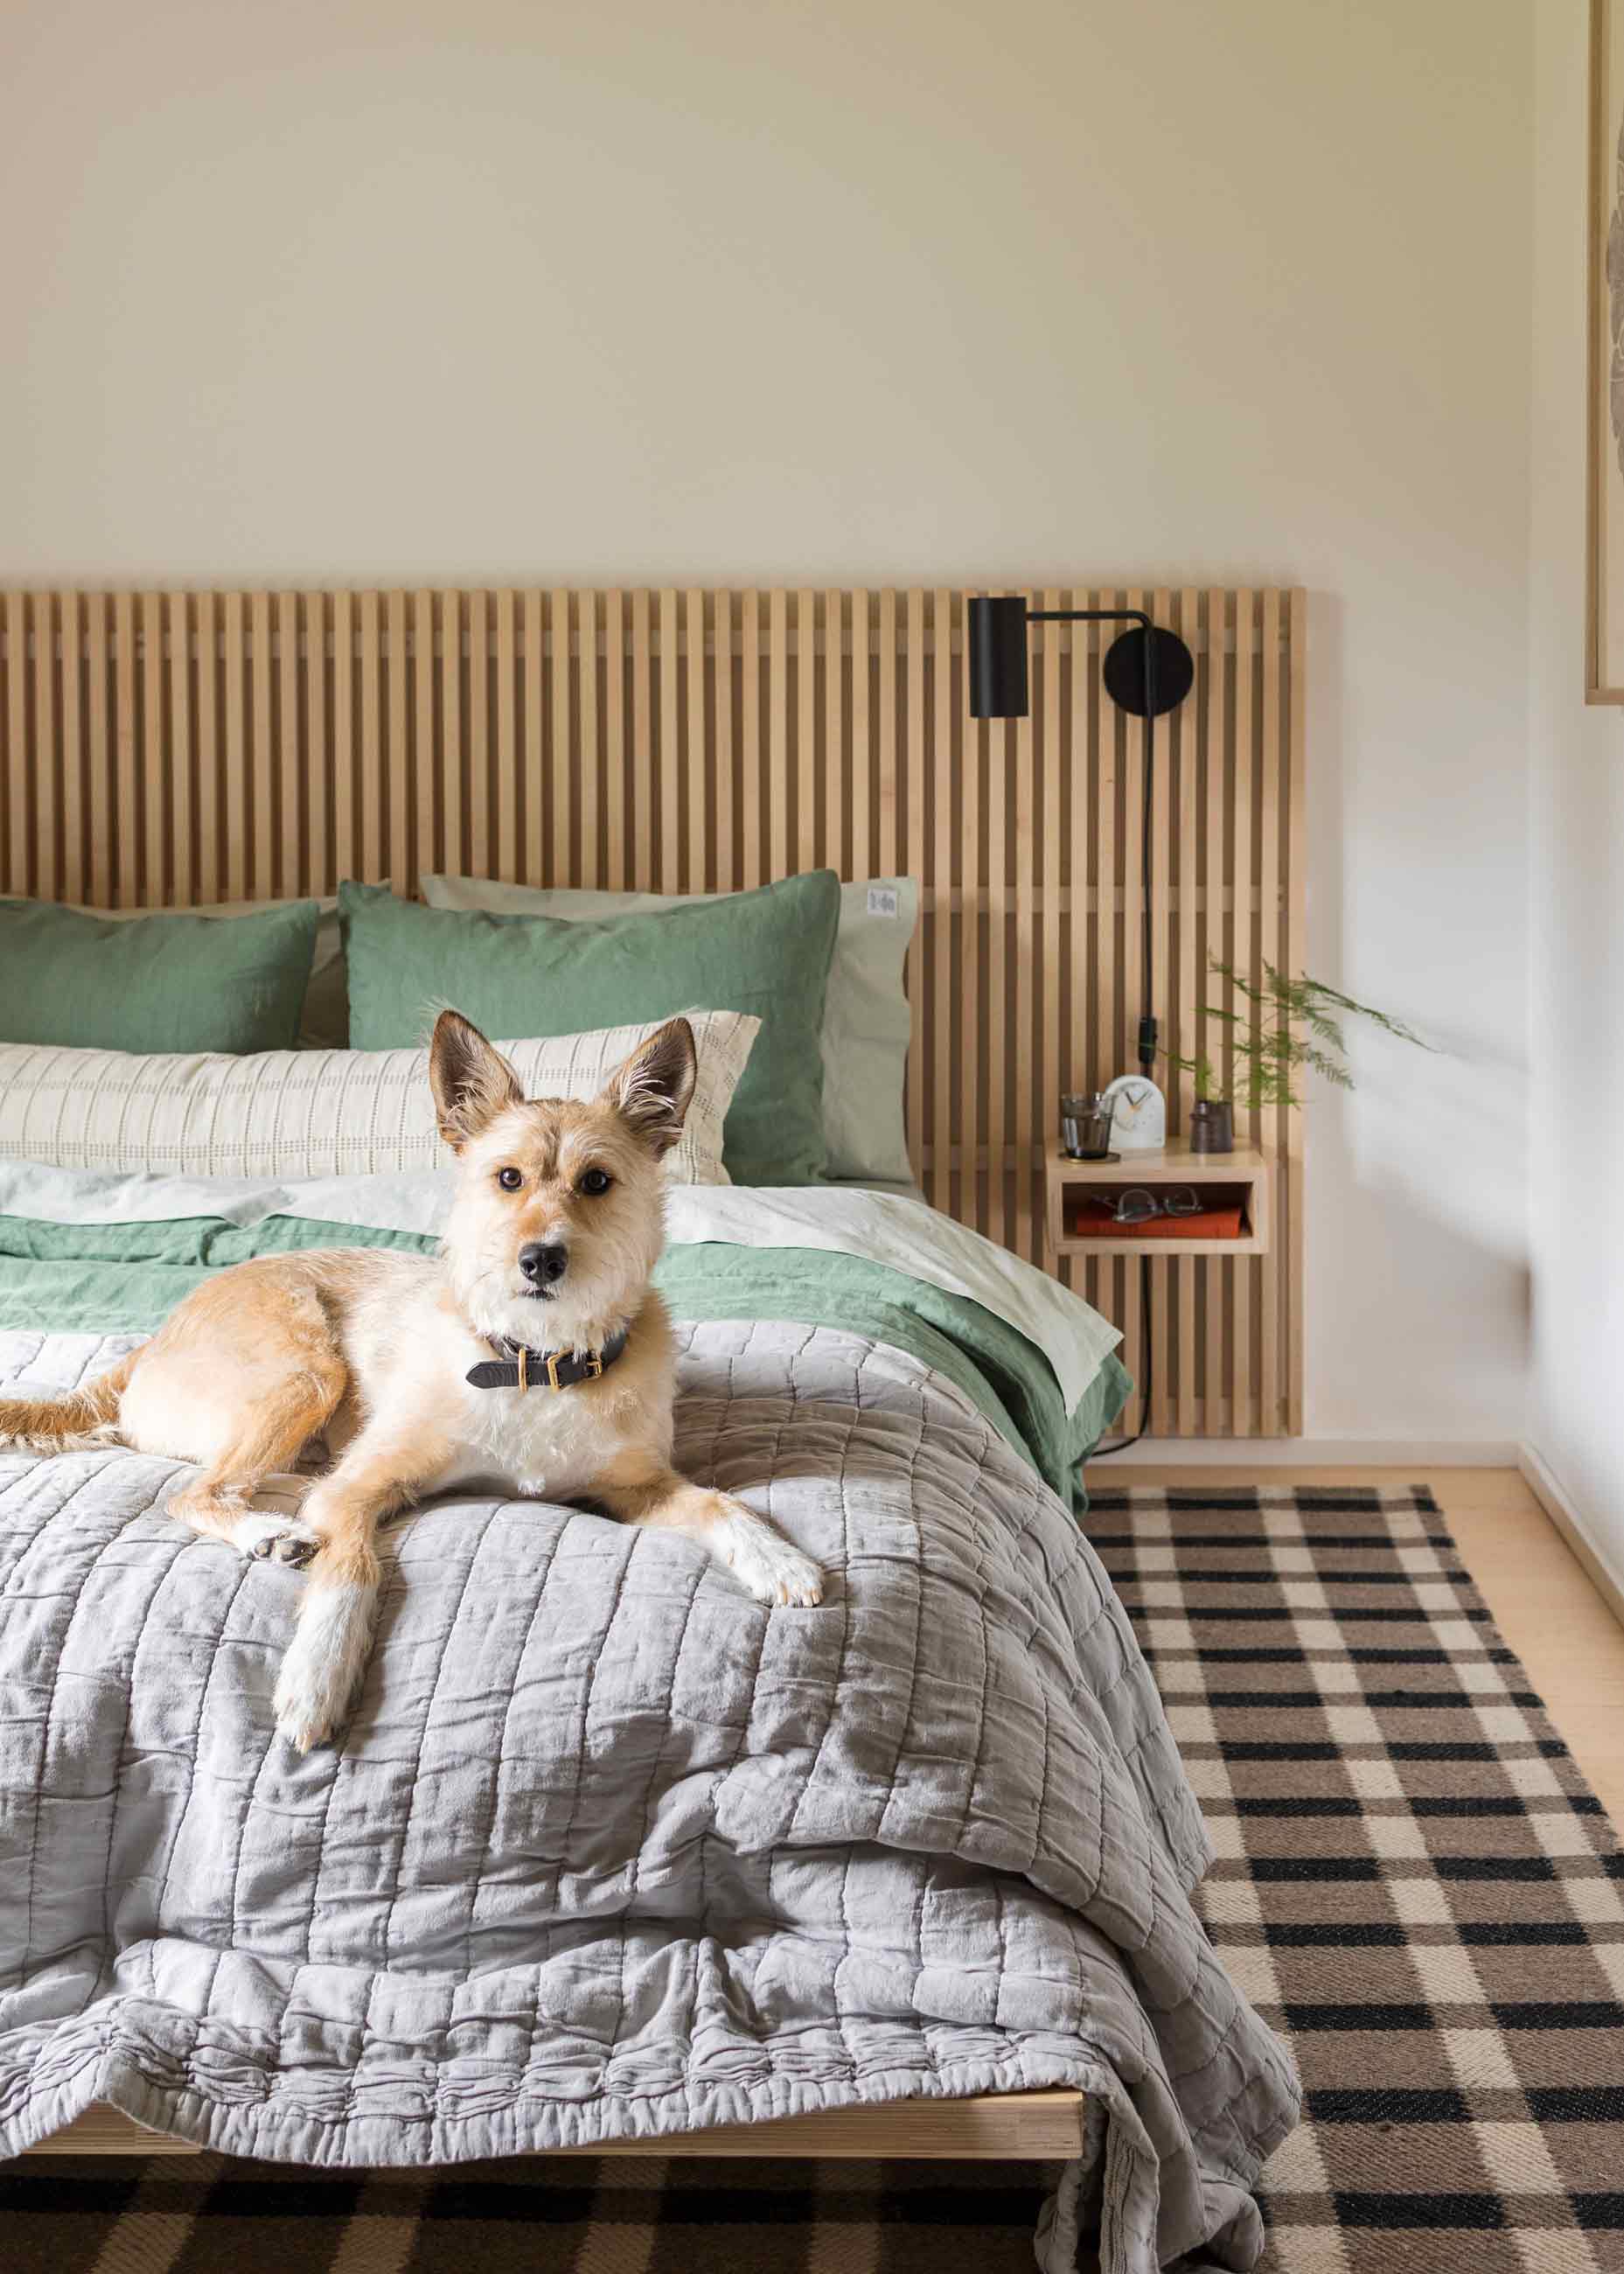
x=532, y=1352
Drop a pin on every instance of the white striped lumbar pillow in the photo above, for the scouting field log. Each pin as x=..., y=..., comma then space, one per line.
x=320, y=1113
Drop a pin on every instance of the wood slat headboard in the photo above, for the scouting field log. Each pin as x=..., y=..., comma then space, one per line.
x=166, y=749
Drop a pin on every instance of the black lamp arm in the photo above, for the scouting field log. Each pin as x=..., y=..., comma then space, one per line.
x=1089, y=616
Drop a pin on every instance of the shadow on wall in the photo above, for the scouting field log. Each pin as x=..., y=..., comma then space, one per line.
x=1416, y=1179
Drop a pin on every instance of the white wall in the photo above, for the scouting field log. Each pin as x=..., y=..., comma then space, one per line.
x=870, y=290
x=1576, y=853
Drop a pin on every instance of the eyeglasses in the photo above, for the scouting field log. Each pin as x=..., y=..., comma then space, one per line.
x=1137, y=1206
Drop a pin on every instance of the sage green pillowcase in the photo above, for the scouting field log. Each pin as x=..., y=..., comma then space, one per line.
x=867, y=1025
x=764, y=953
x=153, y=984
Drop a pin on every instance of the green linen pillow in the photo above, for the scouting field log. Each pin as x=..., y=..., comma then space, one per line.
x=867, y=1024
x=153, y=984
x=765, y=953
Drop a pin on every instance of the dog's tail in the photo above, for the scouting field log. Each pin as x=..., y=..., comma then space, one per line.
x=86, y=1418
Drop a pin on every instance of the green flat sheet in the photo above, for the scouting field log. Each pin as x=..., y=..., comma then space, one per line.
x=126, y=1278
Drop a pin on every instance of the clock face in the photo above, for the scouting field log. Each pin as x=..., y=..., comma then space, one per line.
x=1139, y=1122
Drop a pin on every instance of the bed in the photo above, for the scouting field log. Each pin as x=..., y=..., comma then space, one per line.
x=607, y=1854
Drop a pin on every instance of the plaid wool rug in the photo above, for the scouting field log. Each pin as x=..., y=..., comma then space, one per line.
x=1413, y=1883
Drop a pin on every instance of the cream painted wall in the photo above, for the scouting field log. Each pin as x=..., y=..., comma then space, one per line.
x=1577, y=852
x=876, y=289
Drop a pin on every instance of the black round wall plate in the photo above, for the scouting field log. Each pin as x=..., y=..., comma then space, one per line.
x=1125, y=671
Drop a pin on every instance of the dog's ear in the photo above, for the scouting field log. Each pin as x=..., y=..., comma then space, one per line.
x=653, y=1088
x=472, y=1083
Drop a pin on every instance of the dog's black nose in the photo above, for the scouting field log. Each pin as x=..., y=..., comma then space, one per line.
x=543, y=1261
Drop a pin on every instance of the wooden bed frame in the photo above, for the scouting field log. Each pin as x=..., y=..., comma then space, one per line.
x=1030, y=2127
x=174, y=748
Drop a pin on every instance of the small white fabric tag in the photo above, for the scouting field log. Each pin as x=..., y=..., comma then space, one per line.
x=882, y=900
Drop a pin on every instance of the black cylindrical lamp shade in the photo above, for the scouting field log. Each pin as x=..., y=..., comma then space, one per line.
x=997, y=637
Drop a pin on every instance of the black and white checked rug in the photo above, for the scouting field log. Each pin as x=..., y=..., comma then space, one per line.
x=1412, y=1882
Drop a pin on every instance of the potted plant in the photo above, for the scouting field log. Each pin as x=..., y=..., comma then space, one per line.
x=1282, y=1028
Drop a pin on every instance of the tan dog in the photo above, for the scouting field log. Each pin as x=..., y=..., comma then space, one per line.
x=432, y=1372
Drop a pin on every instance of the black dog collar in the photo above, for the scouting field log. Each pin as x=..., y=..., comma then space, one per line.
x=530, y=1369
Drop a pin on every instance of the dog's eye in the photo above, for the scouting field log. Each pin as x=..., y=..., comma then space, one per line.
x=595, y=1181
x=509, y=1179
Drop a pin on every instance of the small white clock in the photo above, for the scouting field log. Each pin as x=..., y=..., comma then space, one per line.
x=1139, y=1124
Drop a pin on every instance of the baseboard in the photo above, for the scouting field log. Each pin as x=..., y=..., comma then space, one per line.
x=1563, y=1512
x=1417, y=1453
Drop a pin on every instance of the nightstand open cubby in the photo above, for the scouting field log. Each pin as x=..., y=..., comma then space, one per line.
x=1223, y=1181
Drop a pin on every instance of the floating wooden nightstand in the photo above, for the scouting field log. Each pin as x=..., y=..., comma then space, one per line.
x=1226, y=1177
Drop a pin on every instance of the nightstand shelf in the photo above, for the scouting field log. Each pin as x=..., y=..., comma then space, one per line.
x=1242, y=1176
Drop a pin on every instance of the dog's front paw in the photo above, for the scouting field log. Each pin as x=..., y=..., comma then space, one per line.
x=304, y=1702
x=773, y=1571
x=322, y=1664
x=266, y=1538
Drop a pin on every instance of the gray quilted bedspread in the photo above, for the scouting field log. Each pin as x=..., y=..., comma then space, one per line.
x=606, y=1850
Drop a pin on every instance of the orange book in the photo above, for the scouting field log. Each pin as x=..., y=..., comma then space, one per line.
x=1086, y=1222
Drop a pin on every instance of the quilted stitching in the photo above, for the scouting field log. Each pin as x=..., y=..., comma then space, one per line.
x=607, y=1849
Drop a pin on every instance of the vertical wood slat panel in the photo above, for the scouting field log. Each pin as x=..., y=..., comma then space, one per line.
x=151, y=676
x=836, y=755
x=1050, y=869
x=1184, y=969
x=479, y=723
x=210, y=797
x=670, y=771
x=177, y=823
x=1213, y=942
x=238, y=764
x=588, y=789
x=946, y=740
x=919, y=1056
x=262, y=751
x=641, y=816
x=1271, y=950
x=698, y=858
x=1290, y=1261
x=343, y=862
x=45, y=773
x=443, y=844
x=776, y=787
x=560, y=867
x=126, y=730
x=723, y=766
x=750, y=742
x=74, y=808
x=1241, y=1403
x=862, y=768
x=169, y=748
x=396, y=756
x=801, y=788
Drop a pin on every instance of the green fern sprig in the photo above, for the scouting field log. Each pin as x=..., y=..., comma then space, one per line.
x=1289, y=1027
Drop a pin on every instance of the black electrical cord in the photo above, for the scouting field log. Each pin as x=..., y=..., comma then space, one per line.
x=1147, y=1044
x=1105, y=1452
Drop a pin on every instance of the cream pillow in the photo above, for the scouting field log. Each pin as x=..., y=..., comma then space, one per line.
x=318, y=1113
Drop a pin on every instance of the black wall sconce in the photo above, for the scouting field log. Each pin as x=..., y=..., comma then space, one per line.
x=1148, y=671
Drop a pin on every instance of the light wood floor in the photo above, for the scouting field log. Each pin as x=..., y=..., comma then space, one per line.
x=1543, y=1602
